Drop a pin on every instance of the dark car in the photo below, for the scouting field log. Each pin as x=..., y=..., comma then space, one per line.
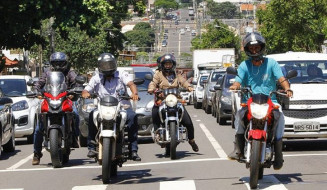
x=7, y=133
x=223, y=102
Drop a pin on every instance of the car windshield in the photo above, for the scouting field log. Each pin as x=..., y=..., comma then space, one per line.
x=13, y=87
x=229, y=80
x=144, y=86
x=307, y=71
x=215, y=76
x=202, y=79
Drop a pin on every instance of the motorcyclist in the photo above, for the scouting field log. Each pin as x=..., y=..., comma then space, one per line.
x=59, y=62
x=165, y=78
x=108, y=82
x=261, y=74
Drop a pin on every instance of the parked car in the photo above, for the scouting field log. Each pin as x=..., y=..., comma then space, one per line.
x=24, y=109
x=222, y=102
x=186, y=97
x=7, y=127
x=198, y=90
x=164, y=43
x=193, y=33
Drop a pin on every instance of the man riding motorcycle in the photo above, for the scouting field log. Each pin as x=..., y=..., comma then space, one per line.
x=164, y=78
x=108, y=82
x=58, y=62
x=260, y=74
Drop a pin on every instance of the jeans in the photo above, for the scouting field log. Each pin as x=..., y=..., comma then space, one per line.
x=186, y=121
x=279, y=128
x=39, y=130
x=131, y=125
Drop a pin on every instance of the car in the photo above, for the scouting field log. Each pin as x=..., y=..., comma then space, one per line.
x=164, y=43
x=198, y=90
x=144, y=106
x=212, y=80
x=193, y=33
x=166, y=30
x=222, y=105
x=176, y=22
x=7, y=127
x=24, y=109
x=165, y=36
x=182, y=31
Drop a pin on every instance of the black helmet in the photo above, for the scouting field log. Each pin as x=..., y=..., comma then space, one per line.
x=254, y=38
x=158, y=63
x=59, y=62
x=167, y=58
x=107, y=64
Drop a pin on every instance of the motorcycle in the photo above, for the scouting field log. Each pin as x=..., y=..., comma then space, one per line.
x=171, y=132
x=111, y=140
x=85, y=106
x=56, y=114
x=260, y=117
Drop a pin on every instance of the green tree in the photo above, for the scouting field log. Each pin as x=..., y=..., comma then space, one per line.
x=224, y=10
x=166, y=4
x=142, y=36
x=298, y=25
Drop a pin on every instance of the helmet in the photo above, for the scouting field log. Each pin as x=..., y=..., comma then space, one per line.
x=59, y=62
x=254, y=38
x=167, y=58
x=158, y=63
x=107, y=64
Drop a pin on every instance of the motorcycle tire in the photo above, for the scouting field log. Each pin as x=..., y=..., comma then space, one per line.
x=173, y=139
x=55, y=148
x=107, y=162
x=255, y=163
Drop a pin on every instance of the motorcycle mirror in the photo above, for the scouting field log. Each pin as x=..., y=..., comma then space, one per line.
x=148, y=76
x=5, y=101
x=80, y=79
x=138, y=81
x=195, y=82
x=190, y=74
x=231, y=70
x=30, y=83
x=291, y=74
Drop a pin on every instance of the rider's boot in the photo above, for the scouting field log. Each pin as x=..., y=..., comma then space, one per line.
x=238, y=152
x=194, y=145
x=278, y=162
x=36, y=158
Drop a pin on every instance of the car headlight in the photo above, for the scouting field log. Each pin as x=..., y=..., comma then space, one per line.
x=226, y=99
x=21, y=105
x=149, y=105
x=171, y=100
x=88, y=107
x=259, y=111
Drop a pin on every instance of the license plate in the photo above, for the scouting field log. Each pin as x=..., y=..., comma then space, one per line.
x=306, y=126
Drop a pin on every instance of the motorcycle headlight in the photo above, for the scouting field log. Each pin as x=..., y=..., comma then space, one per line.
x=149, y=105
x=171, y=100
x=21, y=105
x=108, y=113
x=259, y=111
x=226, y=99
x=88, y=107
x=55, y=103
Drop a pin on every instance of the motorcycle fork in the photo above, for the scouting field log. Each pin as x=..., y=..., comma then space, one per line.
x=172, y=118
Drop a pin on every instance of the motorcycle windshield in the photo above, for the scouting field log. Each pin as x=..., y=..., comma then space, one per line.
x=171, y=91
x=260, y=98
x=55, y=83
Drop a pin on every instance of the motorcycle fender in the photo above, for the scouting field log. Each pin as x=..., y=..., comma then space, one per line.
x=257, y=134
x=95, y=116
x=108, y=133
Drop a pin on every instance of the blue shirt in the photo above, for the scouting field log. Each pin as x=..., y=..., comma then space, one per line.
x=262, y=79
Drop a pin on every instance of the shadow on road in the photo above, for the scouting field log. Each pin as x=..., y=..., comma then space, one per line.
x=305, y=145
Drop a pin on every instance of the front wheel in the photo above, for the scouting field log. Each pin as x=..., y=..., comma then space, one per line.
x=255, y=165
x=55, y=148
x=107, y=162
x=173, y=139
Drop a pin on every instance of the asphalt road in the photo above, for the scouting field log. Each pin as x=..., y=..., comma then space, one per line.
x=209, y=169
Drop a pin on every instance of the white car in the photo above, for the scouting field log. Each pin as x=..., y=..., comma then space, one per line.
x=24, y=109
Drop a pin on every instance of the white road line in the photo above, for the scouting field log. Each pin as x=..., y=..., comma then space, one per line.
x=221, y=153
x=23, y=161
x=268, y=182
x=169, y=185
x=90, y=187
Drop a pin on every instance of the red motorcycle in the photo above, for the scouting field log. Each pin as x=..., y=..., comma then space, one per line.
x=260, y=116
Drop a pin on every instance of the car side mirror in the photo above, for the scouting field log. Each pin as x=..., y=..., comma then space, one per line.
x=138, y=81
x=5, y=101
x=217, y=87
x=291, y=74
x=148, y=76
x=194, y=82
x=80, y=79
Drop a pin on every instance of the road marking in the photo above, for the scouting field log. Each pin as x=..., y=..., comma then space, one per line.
x=22, y=162
x=90, y=187
x=169, y=185
x=221, y=153
x=268, y=182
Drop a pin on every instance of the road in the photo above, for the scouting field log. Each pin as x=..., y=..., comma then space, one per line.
x=209, y=169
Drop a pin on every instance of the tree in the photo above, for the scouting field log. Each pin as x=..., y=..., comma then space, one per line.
x=166, y=4
x=300, y=25
x=224, y=10
x=142, y=36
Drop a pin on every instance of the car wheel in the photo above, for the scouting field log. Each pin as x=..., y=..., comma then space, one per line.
x=208, y=109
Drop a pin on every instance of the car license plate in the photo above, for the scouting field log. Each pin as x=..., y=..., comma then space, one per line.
x=306, y=126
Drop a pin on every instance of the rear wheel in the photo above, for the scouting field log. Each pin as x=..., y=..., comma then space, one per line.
x=106, y=159
x=255, y=163
x=10, y=145
x=173, y=140
x=55, y=148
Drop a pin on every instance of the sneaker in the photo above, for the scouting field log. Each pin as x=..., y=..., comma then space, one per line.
x=36, y=158
x=91, y=154
x=135, y=156
x=194, y=145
